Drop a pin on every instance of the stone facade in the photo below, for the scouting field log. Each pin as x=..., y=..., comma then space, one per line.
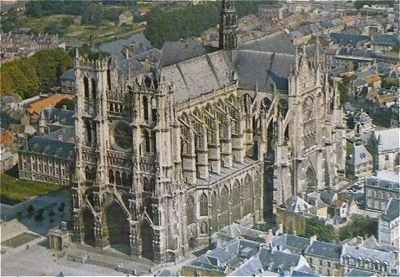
x=380, y=189
x=166, y=158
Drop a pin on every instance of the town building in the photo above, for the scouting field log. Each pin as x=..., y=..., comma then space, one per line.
x=380, y=189
x=388, y=149
x=389, y=224
x=45, y=159
x=68, y=82
x=8, y=159
x=167, y=157
x=324, y=258
x=361, y=161
x=247, y=258
x=14, y=45
x=50, y=156
x=380, y=262
x=35, y=108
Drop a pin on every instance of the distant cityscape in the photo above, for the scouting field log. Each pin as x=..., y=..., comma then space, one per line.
x=200, y=138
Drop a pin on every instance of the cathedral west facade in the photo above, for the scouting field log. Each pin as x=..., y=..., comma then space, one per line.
x=167, y=157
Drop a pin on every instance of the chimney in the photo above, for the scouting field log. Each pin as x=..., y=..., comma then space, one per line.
x=313, y=238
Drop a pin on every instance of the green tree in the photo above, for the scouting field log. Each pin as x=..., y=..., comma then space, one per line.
x=191, y=21
x=324, y=232
x=372, y=147
x=28, y=76
x=359, y=226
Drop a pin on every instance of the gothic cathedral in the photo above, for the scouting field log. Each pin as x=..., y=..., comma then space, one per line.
x=169, y=156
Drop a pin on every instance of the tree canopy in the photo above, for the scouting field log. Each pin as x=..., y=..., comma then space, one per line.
x=191, y=21
x=359, y=226
x=29, y=76
x=324, y=232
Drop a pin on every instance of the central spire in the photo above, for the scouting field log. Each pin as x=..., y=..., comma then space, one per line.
x=228, y=26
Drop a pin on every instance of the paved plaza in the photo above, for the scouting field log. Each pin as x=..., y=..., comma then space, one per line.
x=39, y=261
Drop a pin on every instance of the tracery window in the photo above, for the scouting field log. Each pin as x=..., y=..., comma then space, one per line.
x=203, y=205
x=86, y=87
x=190, y=210
x=111, y=177
x=224, y=199
x=309, y=123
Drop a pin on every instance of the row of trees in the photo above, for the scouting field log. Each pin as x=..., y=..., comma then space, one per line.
x=190, y=21
x=30, y=76
x=92, y=12
x=359, y=226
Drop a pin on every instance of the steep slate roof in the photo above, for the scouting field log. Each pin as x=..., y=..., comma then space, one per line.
x=298, y=205
x=68, y=75
x=231, y=254
x=64, y=117
x=249, y=268
x=64, y=134
x=392, y=210
x=387, y=40
x=363, y=253
x=115, y=47
x=324, y=249
x=174, y=52
x=292, y=242
x=346, y=39
x=278, y=261
x=199, y=75
x=263, y=69
x=279, y=43
x=49, y=147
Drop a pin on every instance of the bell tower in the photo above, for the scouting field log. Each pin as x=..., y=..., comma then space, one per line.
x=228, y=26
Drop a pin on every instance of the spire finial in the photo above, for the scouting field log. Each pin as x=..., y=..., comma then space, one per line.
x=228, y=26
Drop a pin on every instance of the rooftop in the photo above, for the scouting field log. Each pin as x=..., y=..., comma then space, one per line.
x=368, y=254
x=392, y=210
x=38, y=106
x=389, y=139
x=324, y=249
x=174, y=52
x=50, y=147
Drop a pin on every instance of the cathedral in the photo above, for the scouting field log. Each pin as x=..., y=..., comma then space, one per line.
x=167, y=157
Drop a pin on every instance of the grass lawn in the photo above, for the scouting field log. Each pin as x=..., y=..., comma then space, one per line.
x=13, y=190
x=76, y=32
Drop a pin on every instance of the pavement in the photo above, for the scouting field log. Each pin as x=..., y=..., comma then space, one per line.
x=39, y=261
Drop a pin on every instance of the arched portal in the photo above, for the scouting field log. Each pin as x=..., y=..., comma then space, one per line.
x=118, y=227
x=88, y=226
x=311, y=180
x=147, y=240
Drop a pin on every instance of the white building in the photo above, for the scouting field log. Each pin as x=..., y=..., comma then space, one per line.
x=388, y=149
x=380, y=189
x=389, y=224
x=362, y=162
